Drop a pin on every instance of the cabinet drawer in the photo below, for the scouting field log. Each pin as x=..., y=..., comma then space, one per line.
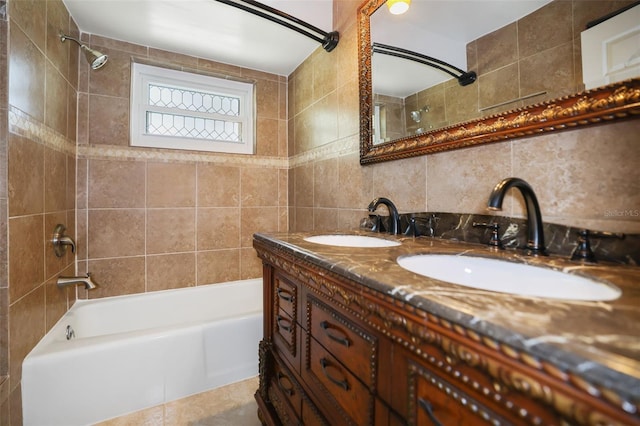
x=352, y=346
x=285, y=295
x=288, y=387
x=435, y=401
x=338, y=387
x=280, y=403
x=286, y=339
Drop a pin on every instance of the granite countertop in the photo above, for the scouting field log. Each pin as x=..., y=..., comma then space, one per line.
x=597, y=341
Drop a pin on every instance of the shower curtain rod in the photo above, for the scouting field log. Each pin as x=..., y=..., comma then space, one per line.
x=328, y=40
x=464, y=77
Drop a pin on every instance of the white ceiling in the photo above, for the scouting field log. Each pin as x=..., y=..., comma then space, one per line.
x=207, y=29
x=212, y=30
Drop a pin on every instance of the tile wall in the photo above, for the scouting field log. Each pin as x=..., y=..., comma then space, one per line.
x=37, y=135
x=151, y=219
x=587, y=177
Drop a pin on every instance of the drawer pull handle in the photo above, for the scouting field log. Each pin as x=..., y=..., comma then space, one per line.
x=426, y=406
x=342, y=383
x=281, y=320
x=287, y=390
x=342, y=340
x=284, y=294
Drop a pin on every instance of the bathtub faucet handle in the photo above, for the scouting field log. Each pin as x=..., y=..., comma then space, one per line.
x=61, y=241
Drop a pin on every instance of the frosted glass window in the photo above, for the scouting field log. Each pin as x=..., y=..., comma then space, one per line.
x=180, y=110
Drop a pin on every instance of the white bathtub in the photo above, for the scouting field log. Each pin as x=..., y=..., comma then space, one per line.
x=133, y=352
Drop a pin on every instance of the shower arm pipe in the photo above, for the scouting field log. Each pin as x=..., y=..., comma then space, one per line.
x=464, y=77
x=328, y=40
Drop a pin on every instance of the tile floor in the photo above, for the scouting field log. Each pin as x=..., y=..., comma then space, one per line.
x=231, y=405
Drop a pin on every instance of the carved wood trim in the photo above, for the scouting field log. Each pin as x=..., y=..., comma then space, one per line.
x=414, y=328
x=603, y=105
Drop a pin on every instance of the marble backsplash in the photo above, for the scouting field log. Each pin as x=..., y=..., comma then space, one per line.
x=560, y=240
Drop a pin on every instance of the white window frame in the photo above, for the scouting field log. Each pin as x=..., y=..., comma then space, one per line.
x=142, y=75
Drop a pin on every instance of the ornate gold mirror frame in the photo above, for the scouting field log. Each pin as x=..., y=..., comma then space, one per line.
x=602, y=105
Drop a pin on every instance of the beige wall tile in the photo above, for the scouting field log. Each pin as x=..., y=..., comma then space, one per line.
x=250, y=264
x=545, y=28
x=267, y=136
x=404, y=182
x=170, y=230
x=118, y=276
x=116, y=233
x=461, y=181
x=55, y=185
x=26, y=255
x=218, y=186
x=56, y=299
x=26, y=79
x=498, y=49
x=259, y=187
x=171, y=271
x=171, y=185
x=30, y=16
x=218, y=266
x=268, y=99
x=325, y=219
x=356, y=189
x=113, y=126
x=114, y=183
x=25, y=176
x=113, y=81
x=218, y=228
x=263, y=219
x=55, y=100
x=326, y=184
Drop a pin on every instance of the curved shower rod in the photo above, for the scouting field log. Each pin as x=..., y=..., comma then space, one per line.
x=464, y=77
x=328, y=40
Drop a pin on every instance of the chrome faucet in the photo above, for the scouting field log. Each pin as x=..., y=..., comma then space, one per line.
x=535, y=233
x=69, y=281
x=393, y=211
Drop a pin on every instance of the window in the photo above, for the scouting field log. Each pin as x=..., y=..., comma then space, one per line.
x=181, y=110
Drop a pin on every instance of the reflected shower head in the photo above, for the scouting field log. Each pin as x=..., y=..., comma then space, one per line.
x=96, y=59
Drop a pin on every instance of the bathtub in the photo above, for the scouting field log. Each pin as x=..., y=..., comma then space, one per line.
x=137, y=351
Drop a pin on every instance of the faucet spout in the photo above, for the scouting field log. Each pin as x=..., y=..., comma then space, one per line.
x=71, y=281
x=535, y=234
x=393, y=211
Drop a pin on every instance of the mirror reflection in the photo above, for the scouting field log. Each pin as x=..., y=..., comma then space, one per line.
x=523, y=53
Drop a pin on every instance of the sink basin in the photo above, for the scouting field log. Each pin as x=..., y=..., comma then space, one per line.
x=508, y=277
x=351, y=241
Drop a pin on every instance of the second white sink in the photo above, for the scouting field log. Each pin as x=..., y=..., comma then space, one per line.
x=507, y=277
x=351, y=241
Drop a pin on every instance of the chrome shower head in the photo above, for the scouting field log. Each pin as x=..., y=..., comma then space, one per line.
x=96, y=59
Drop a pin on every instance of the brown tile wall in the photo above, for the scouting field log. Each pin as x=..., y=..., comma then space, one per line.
x=38, y=92
x=151, y=219
x=582, y=177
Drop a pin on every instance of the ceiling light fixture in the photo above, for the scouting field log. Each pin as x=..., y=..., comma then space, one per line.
x=96, y=59
x=398, y=7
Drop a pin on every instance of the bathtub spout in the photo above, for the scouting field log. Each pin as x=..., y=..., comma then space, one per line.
x=86, y=281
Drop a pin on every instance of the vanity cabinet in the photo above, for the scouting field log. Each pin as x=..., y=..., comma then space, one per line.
x=339, y=352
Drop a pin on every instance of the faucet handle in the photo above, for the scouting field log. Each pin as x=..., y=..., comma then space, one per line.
x=413, y=229
x=61, y=241
x=583, y=251
x=494, y=242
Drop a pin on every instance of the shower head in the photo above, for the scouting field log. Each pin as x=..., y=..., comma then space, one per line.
x=96, y=59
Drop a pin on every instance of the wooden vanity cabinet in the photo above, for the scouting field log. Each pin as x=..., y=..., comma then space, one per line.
x=336, y=352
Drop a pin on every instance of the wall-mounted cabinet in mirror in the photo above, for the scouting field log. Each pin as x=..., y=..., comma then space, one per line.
x=527, y=57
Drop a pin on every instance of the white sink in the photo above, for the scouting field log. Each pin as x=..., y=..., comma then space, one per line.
x=351, y=241
x=508, y=277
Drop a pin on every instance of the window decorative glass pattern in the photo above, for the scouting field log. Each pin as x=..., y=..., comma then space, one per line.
x=180, y=110
x=192, y=127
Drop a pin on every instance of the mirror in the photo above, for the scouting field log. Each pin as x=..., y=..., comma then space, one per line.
x=450, y=116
